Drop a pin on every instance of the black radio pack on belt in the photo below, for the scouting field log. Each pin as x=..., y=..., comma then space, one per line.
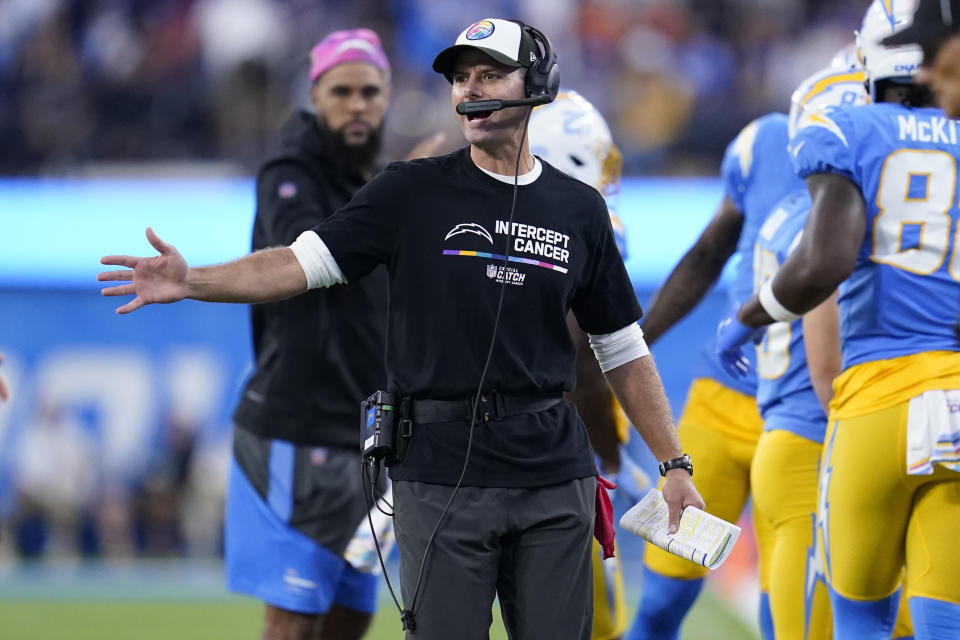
x=385, y=427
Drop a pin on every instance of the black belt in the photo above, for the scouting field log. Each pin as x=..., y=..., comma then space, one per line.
x=491, y=406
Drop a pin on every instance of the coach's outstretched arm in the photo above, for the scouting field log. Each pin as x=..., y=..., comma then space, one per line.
x=264, y=276
x=640, y=392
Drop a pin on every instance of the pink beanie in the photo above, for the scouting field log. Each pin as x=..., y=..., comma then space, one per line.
x=351, y=45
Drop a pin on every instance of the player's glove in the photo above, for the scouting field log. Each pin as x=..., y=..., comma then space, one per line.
x=731, y=336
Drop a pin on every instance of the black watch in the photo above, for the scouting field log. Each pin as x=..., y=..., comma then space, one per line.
x=683, y=462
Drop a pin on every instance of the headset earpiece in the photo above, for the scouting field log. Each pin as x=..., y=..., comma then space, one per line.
x=543, y=77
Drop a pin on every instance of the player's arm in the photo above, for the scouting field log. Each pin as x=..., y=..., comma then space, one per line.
x=638, y=387
x=821, y=338
x=594, y=402
x=696, y=272
x=263, y=276
x=825, y=257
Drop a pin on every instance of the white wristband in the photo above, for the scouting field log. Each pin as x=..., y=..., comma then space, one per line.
x=772, y=306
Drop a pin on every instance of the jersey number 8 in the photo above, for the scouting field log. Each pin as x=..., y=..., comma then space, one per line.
x=912, y=228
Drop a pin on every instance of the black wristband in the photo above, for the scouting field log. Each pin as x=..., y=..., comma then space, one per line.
x=683, y=462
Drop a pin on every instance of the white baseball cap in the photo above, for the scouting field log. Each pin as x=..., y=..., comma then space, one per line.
x=503, y=40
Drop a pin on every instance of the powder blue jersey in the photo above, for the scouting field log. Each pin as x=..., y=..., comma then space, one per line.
x=785, y=395
x=903, y=297
x=756, y=172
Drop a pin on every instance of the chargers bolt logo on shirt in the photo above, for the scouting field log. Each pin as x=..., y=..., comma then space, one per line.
x=480, y=30
x=469, y=227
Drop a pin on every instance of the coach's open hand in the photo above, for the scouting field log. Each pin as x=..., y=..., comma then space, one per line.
x=679, y=492
x=161, y=278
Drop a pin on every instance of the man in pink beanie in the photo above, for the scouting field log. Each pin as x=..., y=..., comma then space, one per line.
x=295, y=496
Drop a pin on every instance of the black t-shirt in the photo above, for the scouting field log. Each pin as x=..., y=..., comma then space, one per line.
x=441, y=227
x=319, y=355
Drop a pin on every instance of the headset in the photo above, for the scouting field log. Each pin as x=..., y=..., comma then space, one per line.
x=542, y=82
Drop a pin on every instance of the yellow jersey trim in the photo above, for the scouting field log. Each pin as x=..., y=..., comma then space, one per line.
x=881, y=384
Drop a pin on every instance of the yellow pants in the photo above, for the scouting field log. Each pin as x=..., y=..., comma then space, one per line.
x=783, y=480
x=873, y=518
x=609, y=604
x=719, y=428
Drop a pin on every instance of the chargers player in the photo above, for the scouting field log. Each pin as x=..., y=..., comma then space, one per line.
x=720, y=424
x=573, y=136
x=783, y=475
x=883, y=223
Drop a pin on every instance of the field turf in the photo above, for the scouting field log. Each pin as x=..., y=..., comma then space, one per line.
x=236, y=619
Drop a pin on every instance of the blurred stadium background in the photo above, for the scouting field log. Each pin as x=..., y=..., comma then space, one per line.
x=116, y=114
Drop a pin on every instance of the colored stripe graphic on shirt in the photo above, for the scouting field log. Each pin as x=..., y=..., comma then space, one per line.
x=496, y=256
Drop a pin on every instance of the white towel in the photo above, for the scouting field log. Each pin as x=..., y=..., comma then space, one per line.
x=933, y=431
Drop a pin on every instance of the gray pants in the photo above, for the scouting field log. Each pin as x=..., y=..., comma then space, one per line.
x=529, y=546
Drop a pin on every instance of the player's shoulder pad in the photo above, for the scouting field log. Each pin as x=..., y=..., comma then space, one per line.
x=746, y=150
x=825, y=142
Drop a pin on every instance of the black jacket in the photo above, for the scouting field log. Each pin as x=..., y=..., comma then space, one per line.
x=320, y=354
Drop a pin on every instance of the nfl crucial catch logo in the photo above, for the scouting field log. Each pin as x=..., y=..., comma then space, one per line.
x=506, y=275
x=480, y=30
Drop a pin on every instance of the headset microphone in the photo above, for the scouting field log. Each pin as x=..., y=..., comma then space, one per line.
x=496, y=105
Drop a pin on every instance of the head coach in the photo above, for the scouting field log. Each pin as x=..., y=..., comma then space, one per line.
x=486, y=249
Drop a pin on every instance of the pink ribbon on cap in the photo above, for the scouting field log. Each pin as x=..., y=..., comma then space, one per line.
x=350, y=45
